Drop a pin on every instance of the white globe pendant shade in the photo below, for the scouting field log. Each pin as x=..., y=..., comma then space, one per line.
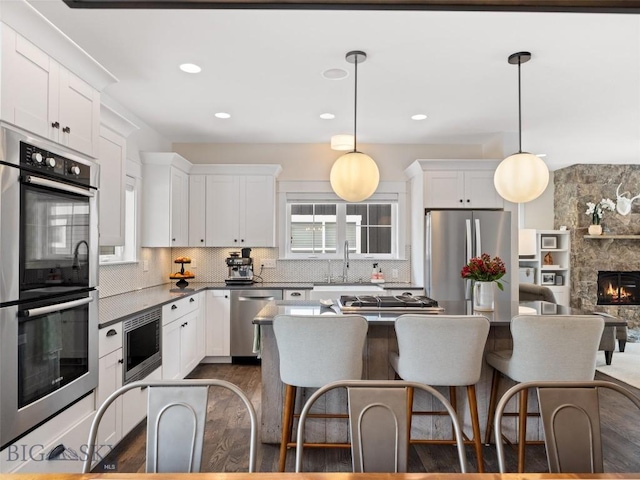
x=521, y=177
x=354, y=176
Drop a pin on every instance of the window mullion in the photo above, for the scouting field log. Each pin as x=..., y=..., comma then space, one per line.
x=341, y=226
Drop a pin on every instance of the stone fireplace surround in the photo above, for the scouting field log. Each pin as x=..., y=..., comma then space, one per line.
x=574, y=187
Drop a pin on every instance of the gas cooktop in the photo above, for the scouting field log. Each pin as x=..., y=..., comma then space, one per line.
x=400, y=303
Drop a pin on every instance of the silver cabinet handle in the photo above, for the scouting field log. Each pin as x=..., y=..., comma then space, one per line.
x=248, y=299
x=34, y=312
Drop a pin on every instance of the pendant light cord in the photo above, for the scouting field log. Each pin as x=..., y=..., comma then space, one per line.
x=519, y=110
x=355, y=105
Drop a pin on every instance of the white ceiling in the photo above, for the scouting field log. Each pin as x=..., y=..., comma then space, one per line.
x=581, y=90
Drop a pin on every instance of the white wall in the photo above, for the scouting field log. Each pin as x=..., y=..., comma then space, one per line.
x=539, y=213
x=313, y=161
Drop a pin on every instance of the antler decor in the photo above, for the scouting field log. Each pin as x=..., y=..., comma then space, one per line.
x=623, y=205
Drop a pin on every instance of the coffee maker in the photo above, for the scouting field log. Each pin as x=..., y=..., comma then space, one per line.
x=240, y=268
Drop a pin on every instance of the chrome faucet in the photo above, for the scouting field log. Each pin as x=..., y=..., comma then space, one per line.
x=345, y=266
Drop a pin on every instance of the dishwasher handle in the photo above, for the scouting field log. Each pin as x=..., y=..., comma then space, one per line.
x=264, y=297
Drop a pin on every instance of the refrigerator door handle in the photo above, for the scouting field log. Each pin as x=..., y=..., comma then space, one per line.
x=478, y=239
x=468, y=254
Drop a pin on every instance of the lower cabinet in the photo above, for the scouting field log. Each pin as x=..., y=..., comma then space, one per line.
x=182, y=338
x=217, y=321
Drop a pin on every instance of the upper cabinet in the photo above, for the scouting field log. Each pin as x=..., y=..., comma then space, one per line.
x=165, y=200
x=240, y=207
x=460, y=189
x=112, y=157
x=43, y=97
x=197, y=210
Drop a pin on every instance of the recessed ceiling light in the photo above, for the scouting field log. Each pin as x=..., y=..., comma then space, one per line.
x=335, y=74
x=190, y=68
x=327, y=116
x=223, y=115
x=418, y=116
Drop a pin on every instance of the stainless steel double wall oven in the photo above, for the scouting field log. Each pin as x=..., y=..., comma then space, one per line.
x=48, y=279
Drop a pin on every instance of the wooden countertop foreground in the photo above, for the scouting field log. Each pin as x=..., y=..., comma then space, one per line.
x=315, y=476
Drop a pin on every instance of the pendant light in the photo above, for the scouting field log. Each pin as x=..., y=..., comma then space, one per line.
x=521, y=177
x=355, y=176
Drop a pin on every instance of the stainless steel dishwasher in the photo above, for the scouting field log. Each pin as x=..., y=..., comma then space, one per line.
x=245, y=305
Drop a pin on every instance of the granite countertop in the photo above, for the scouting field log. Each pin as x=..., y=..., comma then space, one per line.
x=500, y=317
x=118, y=307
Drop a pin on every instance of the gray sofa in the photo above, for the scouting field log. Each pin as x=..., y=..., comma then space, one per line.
x=531, y=293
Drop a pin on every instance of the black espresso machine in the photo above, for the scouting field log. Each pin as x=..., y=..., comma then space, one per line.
x=240, y=268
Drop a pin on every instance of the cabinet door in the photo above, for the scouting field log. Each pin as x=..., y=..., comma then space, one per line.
x=200, y=328
x=222, y=211
x=110, y=379
x=444, y=189
x=218, y=323
x=29, y=85
x=188, y=343
x=112, y=160
x=479, y=190
x=79, y=113
x=179, y=208
x=134, y=404
x=258, y=205
x=171, y=350
x=197, y=205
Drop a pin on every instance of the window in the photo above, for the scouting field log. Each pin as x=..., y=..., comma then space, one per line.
x=319, y=229
x=129, y=251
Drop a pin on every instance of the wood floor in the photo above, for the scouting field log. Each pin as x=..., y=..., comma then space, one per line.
x=227, y=431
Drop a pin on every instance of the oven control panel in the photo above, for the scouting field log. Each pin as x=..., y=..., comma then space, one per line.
x=53, y=164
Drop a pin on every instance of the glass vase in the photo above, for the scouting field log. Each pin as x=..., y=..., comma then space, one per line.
x=483, y=296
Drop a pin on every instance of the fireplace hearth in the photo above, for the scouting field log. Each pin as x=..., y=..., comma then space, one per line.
x=618, y=288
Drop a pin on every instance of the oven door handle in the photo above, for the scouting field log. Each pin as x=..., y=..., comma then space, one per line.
x=58, y=307
x=44, y=182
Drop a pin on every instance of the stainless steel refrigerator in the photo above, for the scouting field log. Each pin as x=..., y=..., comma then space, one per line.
x=455, y=236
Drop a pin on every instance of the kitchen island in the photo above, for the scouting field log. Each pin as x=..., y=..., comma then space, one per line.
x=380, y=341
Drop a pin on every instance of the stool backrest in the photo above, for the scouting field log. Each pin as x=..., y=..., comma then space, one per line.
x=555, y=347
x=378, y=424
x=320, y=349
x=176, y=415
x=441, y=349
x=570, y=413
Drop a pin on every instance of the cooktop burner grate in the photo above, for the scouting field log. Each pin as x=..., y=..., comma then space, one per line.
x=358, y=303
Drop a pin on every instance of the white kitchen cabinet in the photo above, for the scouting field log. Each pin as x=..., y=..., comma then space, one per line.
x=240, y=210
x=110, y=379
x=181, y=327
x=197, y=210
x=45, y=98
x=112, y=157
x=460, y=189
x=218, y=323
x=134, y=403
x=295, y=294
x=165, y=200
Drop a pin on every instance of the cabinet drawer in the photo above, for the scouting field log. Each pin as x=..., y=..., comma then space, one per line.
x=29, y=453
x=177, y=309
x=295, y=294
x=110, y=339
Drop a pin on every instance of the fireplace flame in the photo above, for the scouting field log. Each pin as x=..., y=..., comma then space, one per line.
x=617, y=296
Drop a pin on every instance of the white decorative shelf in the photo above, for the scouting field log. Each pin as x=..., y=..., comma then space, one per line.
x=613, y=237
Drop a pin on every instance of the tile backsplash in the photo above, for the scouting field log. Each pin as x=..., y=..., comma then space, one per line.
x=209, y=266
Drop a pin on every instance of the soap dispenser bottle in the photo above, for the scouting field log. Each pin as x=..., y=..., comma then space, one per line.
x=374, y=272
x=380, y=275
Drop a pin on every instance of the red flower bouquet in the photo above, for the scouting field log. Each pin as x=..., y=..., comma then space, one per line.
x=485, y=269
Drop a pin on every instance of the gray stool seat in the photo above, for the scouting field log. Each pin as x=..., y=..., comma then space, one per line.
x=443, y=350
x=314, y=351
x=545, y=348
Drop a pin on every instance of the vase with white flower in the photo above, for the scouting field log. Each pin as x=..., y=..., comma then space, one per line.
x=596, y=210
x=485, y=272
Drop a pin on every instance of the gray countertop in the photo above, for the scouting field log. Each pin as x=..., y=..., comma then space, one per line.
x=500, y=317
x=118, y=307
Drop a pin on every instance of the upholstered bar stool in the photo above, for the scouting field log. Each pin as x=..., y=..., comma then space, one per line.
x=315, y=351
x=442, y=351
x=545, y=348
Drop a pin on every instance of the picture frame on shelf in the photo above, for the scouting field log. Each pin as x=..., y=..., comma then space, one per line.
x=548, y=278
x=548, y=241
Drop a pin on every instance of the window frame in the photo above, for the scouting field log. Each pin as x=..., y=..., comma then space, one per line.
x=128, y=253
x=341, y=227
